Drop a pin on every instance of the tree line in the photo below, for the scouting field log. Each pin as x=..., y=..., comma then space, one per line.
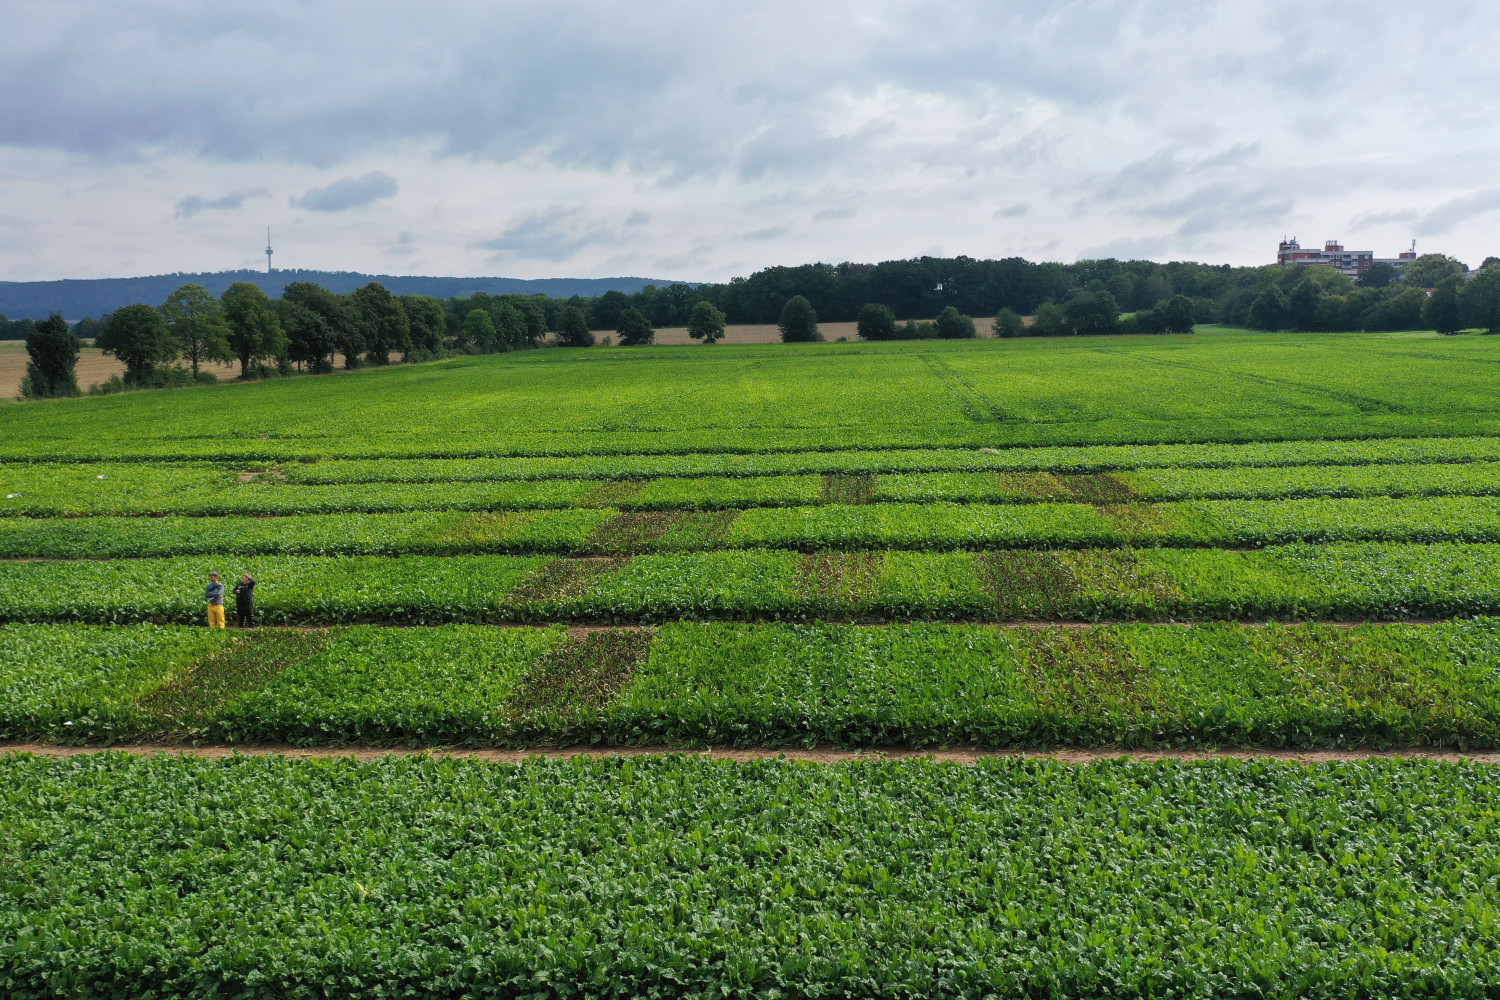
x=310, y=329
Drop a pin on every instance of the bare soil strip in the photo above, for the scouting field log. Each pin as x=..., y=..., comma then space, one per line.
x=952, y=755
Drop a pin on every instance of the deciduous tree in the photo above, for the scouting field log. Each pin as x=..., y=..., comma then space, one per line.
x=634, y=328
x=138, y=336
x=383, y=324
x=799, y=323
x=573, y=328
x=195, y=318
x=52, y=350
x=1479, y=300
x=255, y=332
x=1442, y=309
x=706, y=323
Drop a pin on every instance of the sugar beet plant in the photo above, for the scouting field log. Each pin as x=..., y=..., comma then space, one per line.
x=638, y=877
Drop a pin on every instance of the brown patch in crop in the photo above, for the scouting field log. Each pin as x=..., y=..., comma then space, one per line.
x=1030, y=484
x=632, y=531
x=583, y=675
x=1136, y=518
x=611, y=492
x=263, y=475
x=1096, y=488
x=840, y=578
x=189, y=702
x=562, y=578
x=1079, y=671
x=842, y=489
x=1026, y=584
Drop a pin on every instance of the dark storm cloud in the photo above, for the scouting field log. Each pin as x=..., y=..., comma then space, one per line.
x=191, y=206
x=348, y=192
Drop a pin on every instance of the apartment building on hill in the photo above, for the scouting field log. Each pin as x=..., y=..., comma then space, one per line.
x=1351, y=262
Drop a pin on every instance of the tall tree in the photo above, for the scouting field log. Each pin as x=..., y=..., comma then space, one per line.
x=634, y=328
x=427, y=321
x=138, y=336
x=706, y=323
x=799, y=322
x=310, y=314
x=255, y=332
x=479, y=330
x=53, y=353
x=1302, y=305
x=1442, y=309
x=510, y=326
x=1479, y=300
x=383, y=323
x=195, y=318
x=876, y=322
x=573, y=328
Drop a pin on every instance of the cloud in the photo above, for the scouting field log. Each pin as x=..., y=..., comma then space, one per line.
x=1446, y=216
x=1365, y=220
x=1216, y=124
x=191, y=206
x=767, y=233
x=835, y=214
x=404, y=246
x=348, y=193
x=558, y=233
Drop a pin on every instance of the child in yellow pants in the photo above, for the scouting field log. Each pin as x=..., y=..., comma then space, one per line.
x=214, y=592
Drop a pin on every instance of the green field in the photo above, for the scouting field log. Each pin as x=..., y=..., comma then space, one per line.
x=1219, y=541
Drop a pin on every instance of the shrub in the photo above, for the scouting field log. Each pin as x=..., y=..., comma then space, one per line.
x=954, y=325
x=799, y=322
x=876, y=322
x=1008, y=323
x=634, y=328
x=573, y=328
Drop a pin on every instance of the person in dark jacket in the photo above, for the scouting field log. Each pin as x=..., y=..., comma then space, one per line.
x=244, y=601
x=214, y=594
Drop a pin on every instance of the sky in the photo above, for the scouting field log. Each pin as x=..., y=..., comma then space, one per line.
x=701, y=140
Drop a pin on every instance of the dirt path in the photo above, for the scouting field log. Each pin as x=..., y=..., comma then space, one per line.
x=954, y=755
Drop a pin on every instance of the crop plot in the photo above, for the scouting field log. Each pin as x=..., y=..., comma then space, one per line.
x=1228, y=544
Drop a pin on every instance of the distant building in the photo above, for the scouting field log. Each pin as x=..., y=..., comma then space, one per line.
x=1351, y=262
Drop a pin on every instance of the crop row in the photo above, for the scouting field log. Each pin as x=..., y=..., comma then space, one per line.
x=1344, y=580
x=934, y=526
x=675, y=876
x=762, y=685
x=1085, y=459
x=51, y=490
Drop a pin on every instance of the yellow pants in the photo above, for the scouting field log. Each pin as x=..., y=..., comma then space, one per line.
x=216, y=616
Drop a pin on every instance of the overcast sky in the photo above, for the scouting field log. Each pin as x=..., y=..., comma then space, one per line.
x=699, y=140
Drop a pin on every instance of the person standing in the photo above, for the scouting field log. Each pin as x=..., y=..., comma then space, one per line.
x=244, y=601
x=214, y=592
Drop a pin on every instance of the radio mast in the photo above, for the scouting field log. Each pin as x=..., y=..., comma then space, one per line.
x=268, y=250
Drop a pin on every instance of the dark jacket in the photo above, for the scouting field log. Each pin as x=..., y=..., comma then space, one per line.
x=214, y=593
x=244, y=594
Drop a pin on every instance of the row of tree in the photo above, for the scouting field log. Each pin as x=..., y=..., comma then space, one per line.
x=924, y=287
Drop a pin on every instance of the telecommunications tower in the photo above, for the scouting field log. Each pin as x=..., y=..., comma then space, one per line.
x=268, y=250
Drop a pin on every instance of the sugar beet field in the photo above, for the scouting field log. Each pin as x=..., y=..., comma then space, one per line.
x=1202, y=543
